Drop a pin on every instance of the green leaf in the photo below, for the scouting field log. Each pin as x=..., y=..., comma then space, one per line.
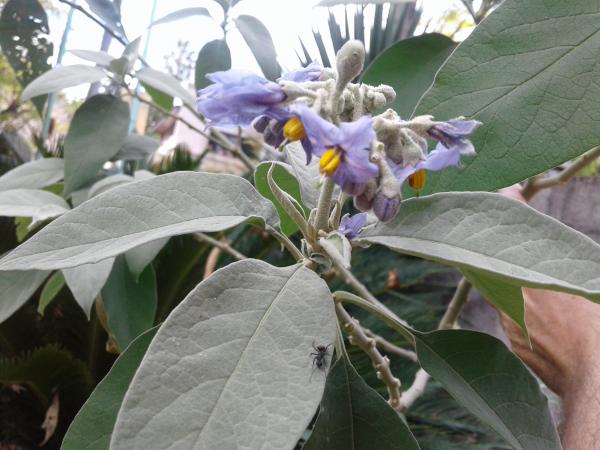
x=507, y=297
x=101, y=58
x=496, y=235
x=259, y=40
x=109, y=12
x=485, y=377
x=130, y=305
x=409, y=66
x=213, y=57
x=139, y=257
x=96, y=134
x=287, y=182
x=92, y=427
x=354, y=416
x=137, y=213
x=182, y=14
x=60, y=78
x=25, y=41
x=37, y=204
x=160, y=98
x=232, y=363
x=34, y=175
x=51, y=289
x=529, y=73
x=167, y=84
x=86, y=282
x=124, y=64
x=308, y=173
x=16, y=288
x=137, y=147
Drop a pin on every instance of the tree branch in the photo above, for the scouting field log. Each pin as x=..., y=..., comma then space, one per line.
x=534, y=185
x=222, y=245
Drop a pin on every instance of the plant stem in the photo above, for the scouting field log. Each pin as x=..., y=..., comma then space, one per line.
x=368, y=345
x=289, y=245
x=455, y=307
x=534, y=185
x=224, y=246
x=391, y=348
x=324, y=204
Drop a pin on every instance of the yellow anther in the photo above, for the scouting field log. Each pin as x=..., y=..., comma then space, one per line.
x=417, y=180
x=330, y=161
x=293, y=130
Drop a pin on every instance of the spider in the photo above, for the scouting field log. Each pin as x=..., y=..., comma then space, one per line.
x=320, y=355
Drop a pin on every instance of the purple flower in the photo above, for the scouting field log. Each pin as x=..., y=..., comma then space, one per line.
x=350, y=226
x=238, y=97
x=344, y=150
x=438, y=159
x=453, y=134
x=312, y=72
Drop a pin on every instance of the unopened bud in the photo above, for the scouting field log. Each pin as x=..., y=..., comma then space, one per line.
x=350, y=60
x=386, y=208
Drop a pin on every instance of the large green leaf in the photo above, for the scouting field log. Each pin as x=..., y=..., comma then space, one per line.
x=62, y=77
x=25, y=41
x=232, y=364
x=485, y=377
x=136, y=213
x=138, y=258
x=529, y=72
x=86, y=282
x=37, y=204
x=130, y=304
x=496, y=235
x=166, y=84
x=34, y=175
x=137, y=147
x=16, y=288
x=213, y=57
x=409, y=66
x=109, y=12
x=96, y=134
x=101, y=58
x=259, y=40
x=93, y=425
x=507, y=297
x=287, y=182
x=354, y=416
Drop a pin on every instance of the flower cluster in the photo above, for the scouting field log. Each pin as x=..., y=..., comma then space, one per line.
x=368, y=157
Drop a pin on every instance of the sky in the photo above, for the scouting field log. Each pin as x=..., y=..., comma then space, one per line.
x=285, y=19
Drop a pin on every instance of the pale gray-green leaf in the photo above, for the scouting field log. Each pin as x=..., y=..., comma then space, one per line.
x=231, y=366
x=496, y=235
x=259, y=40
x=308, y=175
x=51, y=289
x=86, y=282
x=101, y=58
x=96, y=134
x=34, y=175
x=16, y=288
x=140, y=212
x=529, y=73
x=139, y=257
x=37, y=204
x=62, y=77
x=107, y=183
x=167, y=84
x=182, y=14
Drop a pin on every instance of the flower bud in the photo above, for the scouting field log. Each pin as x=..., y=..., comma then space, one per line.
x=386, y=208
x=350, y=60
x=364, y=201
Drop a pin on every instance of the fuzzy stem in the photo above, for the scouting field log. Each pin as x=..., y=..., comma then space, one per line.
x=289, y=245
x=368, y=345
x=324, y=204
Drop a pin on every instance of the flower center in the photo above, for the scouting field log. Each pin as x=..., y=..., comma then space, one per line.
x=330, y=161
x=293, y=130
x=417, y=180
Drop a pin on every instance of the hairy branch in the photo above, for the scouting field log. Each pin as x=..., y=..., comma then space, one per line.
x=368, y=345
x=222, y=245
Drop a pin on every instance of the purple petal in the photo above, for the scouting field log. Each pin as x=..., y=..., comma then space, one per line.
x=312, y=72
x=350, y=226
x=386, y=208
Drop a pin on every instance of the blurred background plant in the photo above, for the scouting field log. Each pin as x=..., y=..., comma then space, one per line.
x=52, y=354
